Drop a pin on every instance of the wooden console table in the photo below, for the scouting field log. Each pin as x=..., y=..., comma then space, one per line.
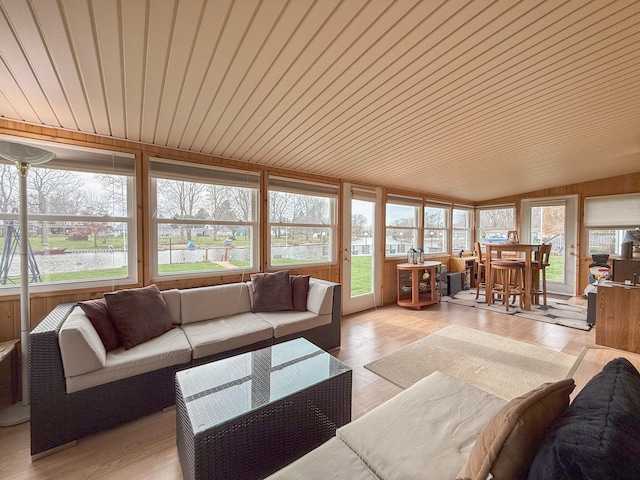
x=414, y=290
x=617, y=321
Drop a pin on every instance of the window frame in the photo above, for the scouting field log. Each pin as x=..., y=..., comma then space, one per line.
x=445, y=230
x=478, y=224
x=172, y=170
x=610, y=215
x=468, y=230
x=403, y=201
x=91, y=161
x=283, y=184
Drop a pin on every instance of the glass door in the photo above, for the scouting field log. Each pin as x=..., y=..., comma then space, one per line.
x=554, y=221
x=361, y=272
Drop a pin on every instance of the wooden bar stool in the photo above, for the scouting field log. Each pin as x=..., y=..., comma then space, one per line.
x=480, y=269
x=507, y=279
x=539, y=268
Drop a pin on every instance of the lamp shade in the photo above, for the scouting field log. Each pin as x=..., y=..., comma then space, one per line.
x=17, y=152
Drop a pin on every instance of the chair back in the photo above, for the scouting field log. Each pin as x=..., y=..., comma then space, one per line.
x=543, y=254
x=478, y=251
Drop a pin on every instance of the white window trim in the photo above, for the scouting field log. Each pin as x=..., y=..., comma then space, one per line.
x=447, y=227
x=83, y=159
x=181, y=171
x=303, y=187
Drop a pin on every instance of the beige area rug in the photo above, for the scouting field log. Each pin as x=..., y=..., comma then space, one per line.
x=501, y=366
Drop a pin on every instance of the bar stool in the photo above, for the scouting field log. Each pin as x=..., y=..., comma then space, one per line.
x=506, y=280
x=480, y=269
x=539, y=266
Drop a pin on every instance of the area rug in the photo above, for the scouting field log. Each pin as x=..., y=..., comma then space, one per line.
x=557, y=312
x=501, y=366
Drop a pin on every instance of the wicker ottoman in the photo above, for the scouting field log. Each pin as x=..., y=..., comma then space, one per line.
x=249, y=415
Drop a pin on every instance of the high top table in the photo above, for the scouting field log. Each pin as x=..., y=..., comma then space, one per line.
x=249, y=415
x=527, y=248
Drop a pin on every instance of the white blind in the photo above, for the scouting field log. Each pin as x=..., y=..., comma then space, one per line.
x=401, y=200
x=612, y=211
x=363, y=193
x=290, y=185
x=84, y=159
x=191, y=172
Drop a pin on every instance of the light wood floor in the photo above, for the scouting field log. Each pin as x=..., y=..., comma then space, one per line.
x=145, y=449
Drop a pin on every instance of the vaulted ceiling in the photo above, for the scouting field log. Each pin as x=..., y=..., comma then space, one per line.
x=468, y=99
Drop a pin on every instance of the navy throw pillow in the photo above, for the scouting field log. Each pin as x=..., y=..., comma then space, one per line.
x=598, y=436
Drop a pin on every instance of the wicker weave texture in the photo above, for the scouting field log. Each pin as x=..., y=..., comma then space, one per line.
x=261, y=441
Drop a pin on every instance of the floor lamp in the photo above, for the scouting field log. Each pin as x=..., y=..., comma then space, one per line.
x=22, y=156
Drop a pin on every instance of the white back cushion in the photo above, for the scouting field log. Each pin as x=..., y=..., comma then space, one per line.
x=172, y=299
x=205, y=303
x=80, y=345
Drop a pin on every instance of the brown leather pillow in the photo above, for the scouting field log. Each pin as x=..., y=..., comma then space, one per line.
x=508, y=443
x=99, y=317
x=299, y=291
x=271, y=291
x=139, y=314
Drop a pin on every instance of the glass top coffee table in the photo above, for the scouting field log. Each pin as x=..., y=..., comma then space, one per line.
x=249, y=415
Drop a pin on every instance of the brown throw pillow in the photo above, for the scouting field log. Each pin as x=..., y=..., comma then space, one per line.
x=299, y=291
x=139, y=314
x=271, y=291
x=98, y=314
x=508, y=443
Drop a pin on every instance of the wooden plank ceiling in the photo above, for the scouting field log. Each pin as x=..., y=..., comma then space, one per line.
x=468, y=99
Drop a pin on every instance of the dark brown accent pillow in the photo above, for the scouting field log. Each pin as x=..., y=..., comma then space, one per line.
x=299, y=291
x=98, y=314
x=139, y=314
x=511, y=439
x=271, y=291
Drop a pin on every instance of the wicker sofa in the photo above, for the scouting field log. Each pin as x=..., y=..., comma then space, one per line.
x=209, y=323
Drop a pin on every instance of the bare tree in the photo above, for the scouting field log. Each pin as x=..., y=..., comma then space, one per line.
x=359, y=224
x=182, y=200
x=95, y=205
x=279, y=208
x=114, y=193
x=52, y=191
x=8, y=188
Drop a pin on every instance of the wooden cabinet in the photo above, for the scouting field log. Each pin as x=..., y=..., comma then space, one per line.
x=418, y=284
x=466, y=265
x=624, y=269
x=618, y=316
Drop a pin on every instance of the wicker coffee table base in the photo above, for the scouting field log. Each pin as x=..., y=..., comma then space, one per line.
x=262, y=441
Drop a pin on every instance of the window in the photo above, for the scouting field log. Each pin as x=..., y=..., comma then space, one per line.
x=81, y=224
x=607, y=220
x=205, y=221
x=494, y=223
x=436, y=228
x=302, y=222
x=403, y=224
x=461, y=229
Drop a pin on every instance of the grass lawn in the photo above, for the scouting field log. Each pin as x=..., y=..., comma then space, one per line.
x=361, y=277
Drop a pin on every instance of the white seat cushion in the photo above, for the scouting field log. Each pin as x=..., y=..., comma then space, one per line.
x=331, y=460
x=170, y=348
x=426, y=431
x=209, y=337
x=290, y=321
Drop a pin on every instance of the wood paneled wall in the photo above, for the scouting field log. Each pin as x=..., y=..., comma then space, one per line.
x=42, y=303
x=606, y=186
